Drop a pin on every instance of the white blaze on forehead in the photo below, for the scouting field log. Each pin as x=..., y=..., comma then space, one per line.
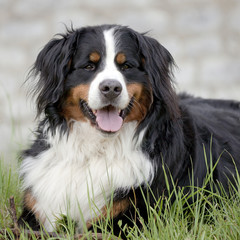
x=110, y=47
x=110, y=71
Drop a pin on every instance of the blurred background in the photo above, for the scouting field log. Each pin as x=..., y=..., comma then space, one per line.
x=202, y=35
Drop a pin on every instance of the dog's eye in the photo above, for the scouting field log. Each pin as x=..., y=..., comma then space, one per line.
x=125, y=67
x=90, y=67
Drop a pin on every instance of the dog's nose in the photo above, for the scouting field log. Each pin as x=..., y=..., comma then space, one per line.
x=110, y=88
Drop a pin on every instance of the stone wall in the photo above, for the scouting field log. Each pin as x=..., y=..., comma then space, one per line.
x=202, y=35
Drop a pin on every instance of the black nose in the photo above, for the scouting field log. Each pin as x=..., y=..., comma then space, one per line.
x=110, y=88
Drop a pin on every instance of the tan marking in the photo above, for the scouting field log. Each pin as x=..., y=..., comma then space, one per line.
x=94, y=57
x=71, y=108
x=135, y=89
x=69, y=64
x=142, y=101
x=118, y=207
x=30, y=203
x=121, y=58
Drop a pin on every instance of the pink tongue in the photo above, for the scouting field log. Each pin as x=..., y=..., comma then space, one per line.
x=109, y=120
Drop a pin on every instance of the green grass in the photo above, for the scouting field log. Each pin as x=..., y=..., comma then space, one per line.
x=210, y=216
x=9, y=186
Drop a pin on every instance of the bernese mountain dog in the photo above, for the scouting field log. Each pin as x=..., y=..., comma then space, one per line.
x=111, y=126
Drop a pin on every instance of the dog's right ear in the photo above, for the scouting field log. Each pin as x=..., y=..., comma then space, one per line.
x=51, y=68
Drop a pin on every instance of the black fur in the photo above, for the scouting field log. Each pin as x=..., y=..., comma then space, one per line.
x=178, y=127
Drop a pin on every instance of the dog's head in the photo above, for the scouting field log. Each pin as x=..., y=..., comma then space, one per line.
x=106, y=75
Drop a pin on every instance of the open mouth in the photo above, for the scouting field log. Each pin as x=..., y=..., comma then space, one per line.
x=108, y=119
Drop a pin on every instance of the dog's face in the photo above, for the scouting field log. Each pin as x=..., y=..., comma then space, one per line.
x=107, y=84
x=106, y=75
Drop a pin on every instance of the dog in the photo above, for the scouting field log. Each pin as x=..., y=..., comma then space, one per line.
x=111, y=127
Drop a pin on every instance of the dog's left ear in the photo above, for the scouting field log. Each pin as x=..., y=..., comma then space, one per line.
x=158, y=64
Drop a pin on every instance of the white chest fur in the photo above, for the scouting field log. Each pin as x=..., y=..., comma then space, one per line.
x=79, y=172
